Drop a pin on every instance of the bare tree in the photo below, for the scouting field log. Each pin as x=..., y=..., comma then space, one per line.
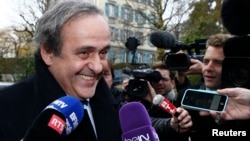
x=161, y=15
x=13, y=51
x=30, y=12
x=16, y=45
x=164, y=14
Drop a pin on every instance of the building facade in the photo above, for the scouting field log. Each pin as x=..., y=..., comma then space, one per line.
x=126, y=21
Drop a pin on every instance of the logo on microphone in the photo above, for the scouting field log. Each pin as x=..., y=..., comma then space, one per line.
x=57, y=123
x=139, y=138
x=168, y=106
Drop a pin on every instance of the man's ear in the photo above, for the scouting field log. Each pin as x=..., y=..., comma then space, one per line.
x=173, y=83
x=47, y=55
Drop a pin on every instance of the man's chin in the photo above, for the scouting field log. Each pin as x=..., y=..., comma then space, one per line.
x=87, y=96
x=86, y=93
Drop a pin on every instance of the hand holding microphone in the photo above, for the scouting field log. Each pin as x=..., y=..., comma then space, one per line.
x=181, y=120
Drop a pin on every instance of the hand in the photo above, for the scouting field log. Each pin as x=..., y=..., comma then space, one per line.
x=238, y=106
x=183, y=122
x=151, y=93
x=195, y=68
x=124, y=84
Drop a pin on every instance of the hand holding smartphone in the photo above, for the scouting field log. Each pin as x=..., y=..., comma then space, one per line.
x=204, y=100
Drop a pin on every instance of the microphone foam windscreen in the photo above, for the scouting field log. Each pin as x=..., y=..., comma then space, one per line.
x=133, y=115
x=235, y=16
x=163, y=39
x=157, y=99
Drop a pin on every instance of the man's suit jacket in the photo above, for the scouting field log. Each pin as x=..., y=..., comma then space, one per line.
x=22, y=102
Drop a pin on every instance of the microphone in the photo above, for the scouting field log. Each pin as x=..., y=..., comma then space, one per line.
x=166, y=40
x=235, y=15
x=165, y=104
x=57, y=120
x=136, y=124
x=163, y=39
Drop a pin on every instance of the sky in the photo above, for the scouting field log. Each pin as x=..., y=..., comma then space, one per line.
x=8, y=12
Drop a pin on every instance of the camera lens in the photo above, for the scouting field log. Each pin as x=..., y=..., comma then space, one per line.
x=137, y=88
x=236, y=72
x=240, y=74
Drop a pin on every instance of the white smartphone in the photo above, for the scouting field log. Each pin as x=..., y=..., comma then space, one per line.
x=204, y=100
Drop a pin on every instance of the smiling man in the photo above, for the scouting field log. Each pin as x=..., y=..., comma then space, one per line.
x=72, y=41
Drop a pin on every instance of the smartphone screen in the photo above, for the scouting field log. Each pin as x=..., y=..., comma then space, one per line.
x=204, y=100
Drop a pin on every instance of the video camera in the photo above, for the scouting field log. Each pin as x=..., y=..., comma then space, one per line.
x=181, y=61
x=236, y=65
x=173, y=61
x=138, y=87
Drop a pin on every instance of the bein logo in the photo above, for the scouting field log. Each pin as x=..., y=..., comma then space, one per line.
x=139, y=138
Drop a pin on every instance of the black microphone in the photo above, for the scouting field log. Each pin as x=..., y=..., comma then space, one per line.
x=163, y=39
x=56, y=121
x=166, y=40
x=234, y=14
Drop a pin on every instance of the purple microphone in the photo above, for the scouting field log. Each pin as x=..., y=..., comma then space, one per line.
x=135, y=123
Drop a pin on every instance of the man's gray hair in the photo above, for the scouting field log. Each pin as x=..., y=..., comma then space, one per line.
x=49, y=26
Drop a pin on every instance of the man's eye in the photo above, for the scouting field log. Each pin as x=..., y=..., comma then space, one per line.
x=84, y=55
x=205, y=61
x=103, y=54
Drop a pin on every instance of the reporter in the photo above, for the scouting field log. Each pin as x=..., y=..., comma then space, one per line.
x=165, y=86
x=167, y=126
x=238, y=107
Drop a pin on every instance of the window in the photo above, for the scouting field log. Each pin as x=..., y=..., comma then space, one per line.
x=139, y=18
x=151, y=2
x=114, y=33
x=127, y=14
x=125, y=33
x=112, y=10
x=139, y=36
x=123, y=56
x=133, y=57
x=111, y=55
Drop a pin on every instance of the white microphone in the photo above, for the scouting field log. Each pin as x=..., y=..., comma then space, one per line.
x=165, y=104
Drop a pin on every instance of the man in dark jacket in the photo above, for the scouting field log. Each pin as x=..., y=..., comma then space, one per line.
x=72, y=41
x=204, y=126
